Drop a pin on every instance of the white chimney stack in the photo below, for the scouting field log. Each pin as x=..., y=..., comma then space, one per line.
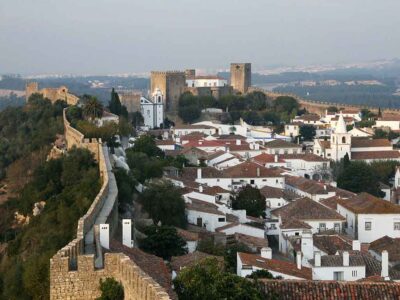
x=356, y=245
x=317, y=258
x=200, y=188
x=346, y=259
x=385, y=265
x=266, y=252
x=127, y=232
x=298, y=260
x=105, y=235
x=198, y=173
x=256, y=146
x=238, y=142
x=258, y=172
x=276, y=158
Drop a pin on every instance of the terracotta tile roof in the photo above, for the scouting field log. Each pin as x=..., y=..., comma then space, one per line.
x=293, y=223
x=152, y=265
x=190, y=260
x=390, y=117
x=306, y=209
x=214, y=190
x=330, y=202
x=276, y=265
x=391, y=245
x=360, y=142
x=196, y=135
x=375, y=155
x=330, y=244
x=332, y=290
x=251, y=241
x=203, y=143
x=308, y=117
x=194, y=151
x=202, y=206
x=309, y=186
x=365, y=203
x=231, y=137
x=281, y=144
x=273, y=192
x=215, y=154
x=350, y=111
x=250, y=170
x=337, y=260
x=187, y=235
x=190, y=173
x=264, y=158
x=306, y=157
x=172, y=153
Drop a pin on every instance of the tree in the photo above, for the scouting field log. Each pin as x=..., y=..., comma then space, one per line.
x=189, y=113
x=359, y=177
x=144, y=167
x=114, y=104
x=307, y=132
x=250, y=199
x=164, y=204
x=147, y=144
x=259, y=274
x=257, y=100
x=137, y=119
x=163, y=241
x=332, y=109
x=92, y=109
x=285, y=104
x=111, y=289
x=208, y=280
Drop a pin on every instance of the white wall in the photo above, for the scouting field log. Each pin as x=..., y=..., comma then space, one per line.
x=210, y=221
x=394, y=125
x=245, y=229
x=326, y=273
x=381, y=225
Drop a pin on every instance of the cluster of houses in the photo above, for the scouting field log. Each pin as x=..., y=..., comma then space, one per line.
x=312, y=230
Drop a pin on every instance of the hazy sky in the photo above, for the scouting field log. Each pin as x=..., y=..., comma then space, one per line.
x=126, y=36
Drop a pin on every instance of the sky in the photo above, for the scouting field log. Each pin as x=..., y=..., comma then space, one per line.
x=131, y=36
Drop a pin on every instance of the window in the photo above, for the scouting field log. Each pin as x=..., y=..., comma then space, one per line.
x=338, y=276
x=337, y=227
x=221, y=219
x=322, y=226
x=344, y=140
x=396, y=226
x=354, y=273
x=297, y=233
x=368, y=226
x=252, y=181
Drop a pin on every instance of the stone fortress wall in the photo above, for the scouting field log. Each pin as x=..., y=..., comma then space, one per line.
x=75, y=274
x=319, y=107
x=53, y=94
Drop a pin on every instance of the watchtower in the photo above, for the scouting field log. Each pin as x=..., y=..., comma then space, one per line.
x=241, y=77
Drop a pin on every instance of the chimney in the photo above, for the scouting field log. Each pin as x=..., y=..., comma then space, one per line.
x=238, y=142
x=276, y=158
x=198, y=173
x=298, y=260
x=346, y=259
x=200, y=188
x=256, y=146
x=251, y=146
x=325, y=187
x=317, y=259
x=258, y=172
x=178, y=140
x=105, y=235
x=200, y=142
x=385, y=265
x=356, y=245
x=266, y=252
x=127, y=232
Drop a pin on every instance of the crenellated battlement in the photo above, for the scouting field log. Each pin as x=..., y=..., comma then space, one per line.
x=75, y=274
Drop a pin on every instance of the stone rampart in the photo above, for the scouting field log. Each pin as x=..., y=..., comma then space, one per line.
x=73, y=274
x=318, y=106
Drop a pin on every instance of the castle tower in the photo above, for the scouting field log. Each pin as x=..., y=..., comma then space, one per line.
x=340, y=140
x=241, y=77
x=172, y=86
x=31, y=88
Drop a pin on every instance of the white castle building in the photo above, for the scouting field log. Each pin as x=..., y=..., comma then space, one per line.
x=153, y=110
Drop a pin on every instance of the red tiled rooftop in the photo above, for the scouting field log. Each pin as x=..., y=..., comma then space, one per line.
x=365, y=203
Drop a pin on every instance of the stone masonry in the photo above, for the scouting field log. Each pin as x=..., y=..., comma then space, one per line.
x=171, y=84
x=73, y=273
x=53, y=94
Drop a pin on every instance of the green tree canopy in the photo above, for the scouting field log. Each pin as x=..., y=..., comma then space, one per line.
x=250, y=199
x=163, y=241
x=92, y=108
x=146, y=144
x=164, y=204
x=307, y=132
x=111, y=289
x=207, y=280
